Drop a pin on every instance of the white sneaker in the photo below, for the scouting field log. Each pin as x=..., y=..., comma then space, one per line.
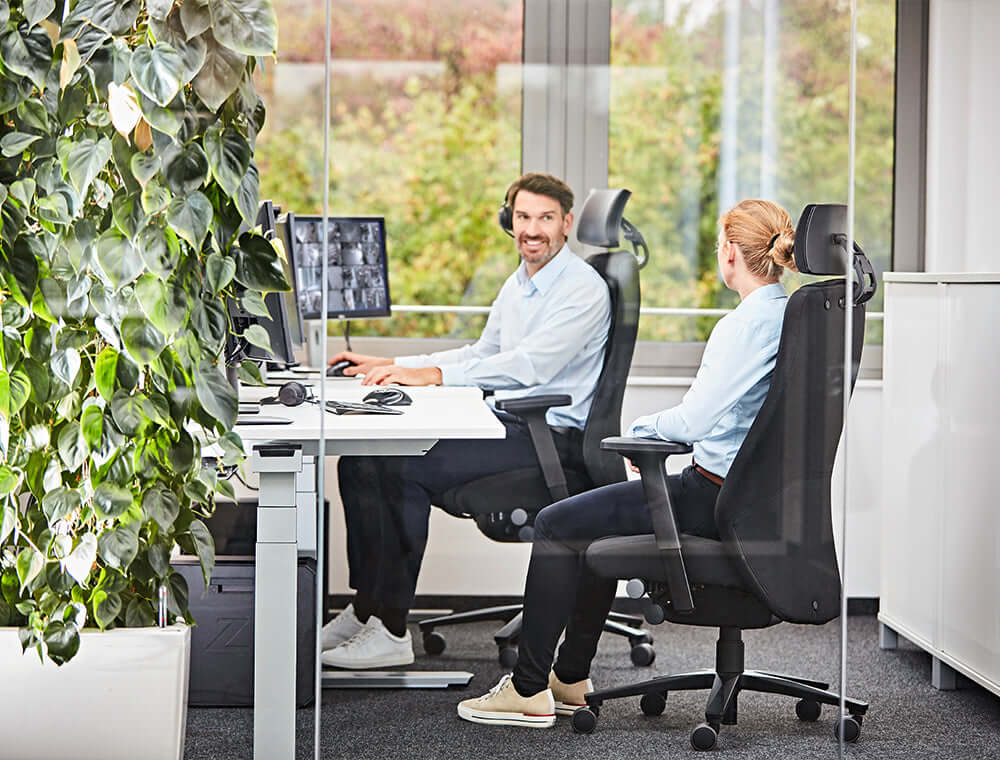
x=371, y=647
x=340, y=629
x=503, y=706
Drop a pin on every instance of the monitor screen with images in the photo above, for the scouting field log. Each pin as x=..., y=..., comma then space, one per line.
x=357, y=267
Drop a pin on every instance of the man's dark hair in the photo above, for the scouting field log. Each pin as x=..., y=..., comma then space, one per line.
x=542, y=184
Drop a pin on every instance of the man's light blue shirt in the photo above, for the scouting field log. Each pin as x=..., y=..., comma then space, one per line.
x=729, y=389
x=545, y=334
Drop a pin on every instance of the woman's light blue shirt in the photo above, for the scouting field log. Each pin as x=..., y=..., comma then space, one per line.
x=735, y=373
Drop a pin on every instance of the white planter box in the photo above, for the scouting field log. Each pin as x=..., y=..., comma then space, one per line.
x=123, y=696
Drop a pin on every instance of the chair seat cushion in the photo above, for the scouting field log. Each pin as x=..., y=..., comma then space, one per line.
x=721, y=598
x=637, y=557
x=506, y=491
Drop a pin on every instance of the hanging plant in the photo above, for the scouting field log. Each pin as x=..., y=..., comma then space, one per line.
x=129, y=194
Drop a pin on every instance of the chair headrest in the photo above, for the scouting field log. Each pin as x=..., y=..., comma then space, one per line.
x=601, y=217
x=821, y=247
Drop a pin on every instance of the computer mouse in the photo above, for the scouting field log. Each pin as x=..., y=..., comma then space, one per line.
x=388, y=397
x=337, y=368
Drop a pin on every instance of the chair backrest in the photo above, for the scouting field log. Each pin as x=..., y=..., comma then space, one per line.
x=619, y=269
x=774, y=509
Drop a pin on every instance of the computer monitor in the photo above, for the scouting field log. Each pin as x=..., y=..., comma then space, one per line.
x=357, y=267
x=284, y=224
x=277, y=326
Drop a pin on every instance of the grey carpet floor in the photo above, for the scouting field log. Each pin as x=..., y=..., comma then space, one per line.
x=907, y=717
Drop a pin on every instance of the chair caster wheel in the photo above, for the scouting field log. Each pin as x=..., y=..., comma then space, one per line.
x=643, y=655
x=807, y=709
x=704, y=737
x=584, y=720
x=848, y=727
x=653, y=703
x=508, y=657
x=434, y=643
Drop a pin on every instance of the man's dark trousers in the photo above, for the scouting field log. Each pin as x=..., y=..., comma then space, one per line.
x=387, y=502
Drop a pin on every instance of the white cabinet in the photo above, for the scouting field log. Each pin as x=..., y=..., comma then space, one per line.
x=940, y=576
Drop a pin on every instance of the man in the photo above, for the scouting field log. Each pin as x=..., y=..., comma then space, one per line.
x=545, y=334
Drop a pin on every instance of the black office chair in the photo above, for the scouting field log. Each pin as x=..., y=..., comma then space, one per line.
x=776, y=560
x=504, y=505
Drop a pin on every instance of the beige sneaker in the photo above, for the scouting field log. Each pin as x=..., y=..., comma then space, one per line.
x=568, y=697
x=502, y=705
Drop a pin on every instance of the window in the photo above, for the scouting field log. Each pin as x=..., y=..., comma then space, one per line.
x=712, y=102
x=426, y=110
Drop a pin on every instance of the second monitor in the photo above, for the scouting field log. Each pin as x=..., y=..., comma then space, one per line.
x=357, y=267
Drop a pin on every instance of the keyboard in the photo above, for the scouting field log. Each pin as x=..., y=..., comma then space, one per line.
x=362, y=407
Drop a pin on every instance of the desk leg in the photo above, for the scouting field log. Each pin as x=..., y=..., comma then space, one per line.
x=275, y=603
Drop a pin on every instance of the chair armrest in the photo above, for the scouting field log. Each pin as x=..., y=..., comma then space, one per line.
x=628, y=446
x=529, y=404
x=650, y=456
x=532, y=410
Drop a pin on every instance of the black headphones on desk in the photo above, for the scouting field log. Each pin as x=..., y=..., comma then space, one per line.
x=292, y=393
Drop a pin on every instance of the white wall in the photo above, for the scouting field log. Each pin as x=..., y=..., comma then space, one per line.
x=460, y=560
x=963, y=160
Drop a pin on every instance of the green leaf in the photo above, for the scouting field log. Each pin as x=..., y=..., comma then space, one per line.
x=215, y=393
x=195, y=17
x=8, y=519
x=81, y=559
x=60, y=503
x=111, y=500
x=23, y=190
x=86, y=160
x=177, y=594
x=31, y=114
x=15, y=90
x=106, y=606
x=257, y=265
x=29, y=55
x=118, y=547
x=249, y=373
x=92, y=425
x=62, y=641
x=254, y=303
x=190, y=217
x=20, y=390
x=141, y=339
x=36, y=10
x=210, y=324
x=158, y=557
x=24, y=267
x=187, y=170
x=228, y=154
x=157, y=71
x=127, y=412
x=155, y=197
x=160, y=250
x=220, y=271
x=232, y=448
x=162, y=506
x=53, y=208
x=248, y=195
x=192, y=48
x=204, y=547
x=167, y=119
x=220, y=75
x=144, y=166
x=105, y=371
x=29, y=565
x=128, y=214
x=65, y=365
x=159, y=9
x=139, y=614
x=15, y=143
x=258, y=336
x=247, y=26
x=9, y=481
x=73, y=448
x=118, y=258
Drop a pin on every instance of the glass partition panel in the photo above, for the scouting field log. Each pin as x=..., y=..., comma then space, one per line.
x=712, y=102
x=426, y=108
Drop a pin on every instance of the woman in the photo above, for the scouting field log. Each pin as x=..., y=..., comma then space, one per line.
x=756, y=239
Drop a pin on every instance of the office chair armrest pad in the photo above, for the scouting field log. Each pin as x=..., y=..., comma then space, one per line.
x=631, y=446
x=532, y=403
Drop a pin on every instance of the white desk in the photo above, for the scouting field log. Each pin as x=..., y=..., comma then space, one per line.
x=276, y=453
